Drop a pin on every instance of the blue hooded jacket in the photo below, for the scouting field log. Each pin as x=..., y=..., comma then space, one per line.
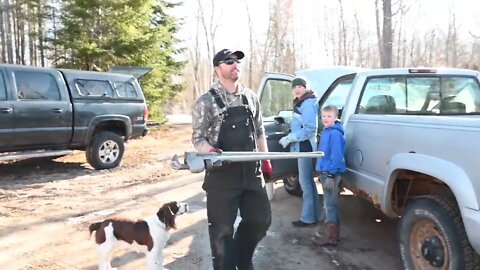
x=332, y=144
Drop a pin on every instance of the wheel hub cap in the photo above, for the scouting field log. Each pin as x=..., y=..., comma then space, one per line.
x=432, y=251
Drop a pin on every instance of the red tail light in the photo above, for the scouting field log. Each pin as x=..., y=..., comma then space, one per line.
x=145, y=114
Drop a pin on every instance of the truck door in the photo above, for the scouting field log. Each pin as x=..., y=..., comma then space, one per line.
x=6, y=116
x=276, y=98
x=43, y=111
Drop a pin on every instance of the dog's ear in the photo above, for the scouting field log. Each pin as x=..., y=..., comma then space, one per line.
x=167, y=215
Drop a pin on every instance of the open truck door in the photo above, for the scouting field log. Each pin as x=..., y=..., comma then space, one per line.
x=276, y=99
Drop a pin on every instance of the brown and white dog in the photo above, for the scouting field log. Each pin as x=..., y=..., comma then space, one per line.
x=149, y=234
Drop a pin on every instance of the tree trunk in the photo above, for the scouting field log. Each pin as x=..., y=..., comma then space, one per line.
x=251, y=56
x=9, y=32
x=360, y=59
x=379, y=30
x=40, y=33
x=343, y=37
x=387, y=34
x=2, y=31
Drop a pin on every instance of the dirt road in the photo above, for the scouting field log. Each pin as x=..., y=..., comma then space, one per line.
x=46, y=207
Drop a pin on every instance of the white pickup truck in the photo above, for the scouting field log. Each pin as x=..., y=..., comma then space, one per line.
x=412, y=150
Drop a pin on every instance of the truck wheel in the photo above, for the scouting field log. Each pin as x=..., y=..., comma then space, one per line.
x=105, y=151
x=432, y=235
x=292, y=186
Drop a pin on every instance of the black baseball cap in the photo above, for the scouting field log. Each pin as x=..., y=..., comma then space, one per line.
x=225, y=54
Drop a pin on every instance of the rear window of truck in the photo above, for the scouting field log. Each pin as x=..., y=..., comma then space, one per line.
x=441, y=95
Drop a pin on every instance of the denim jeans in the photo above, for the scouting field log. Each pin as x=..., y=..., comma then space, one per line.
x=311, y=209
x=330, y=200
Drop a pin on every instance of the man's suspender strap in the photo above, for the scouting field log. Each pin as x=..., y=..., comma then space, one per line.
x=217, y=98
x=245, y=100
x=219, y=101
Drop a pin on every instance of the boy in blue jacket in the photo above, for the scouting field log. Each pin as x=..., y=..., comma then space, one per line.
x=331, y=166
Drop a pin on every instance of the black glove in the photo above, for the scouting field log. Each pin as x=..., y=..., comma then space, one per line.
x=329, y=184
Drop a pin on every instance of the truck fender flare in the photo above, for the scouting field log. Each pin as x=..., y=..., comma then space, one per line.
x=449, y=173
x=104, y=118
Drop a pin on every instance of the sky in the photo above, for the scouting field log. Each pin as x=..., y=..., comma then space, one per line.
x=310, y=15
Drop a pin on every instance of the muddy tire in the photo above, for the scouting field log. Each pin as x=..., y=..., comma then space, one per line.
x=292, y=186
x=432, y=236
x=105, y=151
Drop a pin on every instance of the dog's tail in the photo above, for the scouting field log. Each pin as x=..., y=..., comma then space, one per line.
x=94, y=227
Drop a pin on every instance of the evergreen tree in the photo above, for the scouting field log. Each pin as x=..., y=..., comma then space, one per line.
x=104, y=33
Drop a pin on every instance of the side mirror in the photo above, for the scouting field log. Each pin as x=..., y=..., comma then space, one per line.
x=279, y=120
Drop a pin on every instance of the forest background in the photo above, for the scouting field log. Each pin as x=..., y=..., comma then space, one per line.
x=178, y=38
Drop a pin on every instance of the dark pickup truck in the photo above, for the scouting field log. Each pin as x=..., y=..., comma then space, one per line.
x=47, y=112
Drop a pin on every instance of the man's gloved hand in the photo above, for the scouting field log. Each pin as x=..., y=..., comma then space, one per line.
x=267, y=168
x=329, y=184
x=215, y=150
x=284, y=141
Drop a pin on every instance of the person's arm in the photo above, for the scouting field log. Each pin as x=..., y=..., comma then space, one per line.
x=262, y=144
x=202, y=119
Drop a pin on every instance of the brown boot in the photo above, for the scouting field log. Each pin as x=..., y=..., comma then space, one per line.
x=338, y=232
x=331, y=236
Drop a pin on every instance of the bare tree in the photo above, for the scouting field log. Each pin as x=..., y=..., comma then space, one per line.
x=384, y=32
x=41, y=33
x=251, y=54
x=9, y=30
x=400, y=31
x=342, y=37
x=387, y=34
x=379, y=30
x=210, y=29
x=451, y=42
x=278, y=46
x=360, y=57
x=195, y=60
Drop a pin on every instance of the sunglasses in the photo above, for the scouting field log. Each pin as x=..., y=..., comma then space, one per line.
x=229, y=61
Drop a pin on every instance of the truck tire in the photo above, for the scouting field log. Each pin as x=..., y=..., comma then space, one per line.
x=292, y=186
x=105, y=150
x=432, y=235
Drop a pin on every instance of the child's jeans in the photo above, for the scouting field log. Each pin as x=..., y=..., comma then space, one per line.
x=330, y=200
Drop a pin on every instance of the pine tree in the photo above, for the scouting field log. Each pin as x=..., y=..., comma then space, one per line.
x=104, y=33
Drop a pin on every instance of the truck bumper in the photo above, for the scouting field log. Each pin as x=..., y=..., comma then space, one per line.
x=471, y=221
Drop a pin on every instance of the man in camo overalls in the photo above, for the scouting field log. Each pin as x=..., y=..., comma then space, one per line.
x=228, y=118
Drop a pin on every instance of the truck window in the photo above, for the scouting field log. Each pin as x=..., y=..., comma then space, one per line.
x=125, y=89
x=3, y=90
x=36, y=86
x=94, y=88
x=458, y=95
x=384, y=96
x=338, y=96
x=277, y=97
x=421, y=95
